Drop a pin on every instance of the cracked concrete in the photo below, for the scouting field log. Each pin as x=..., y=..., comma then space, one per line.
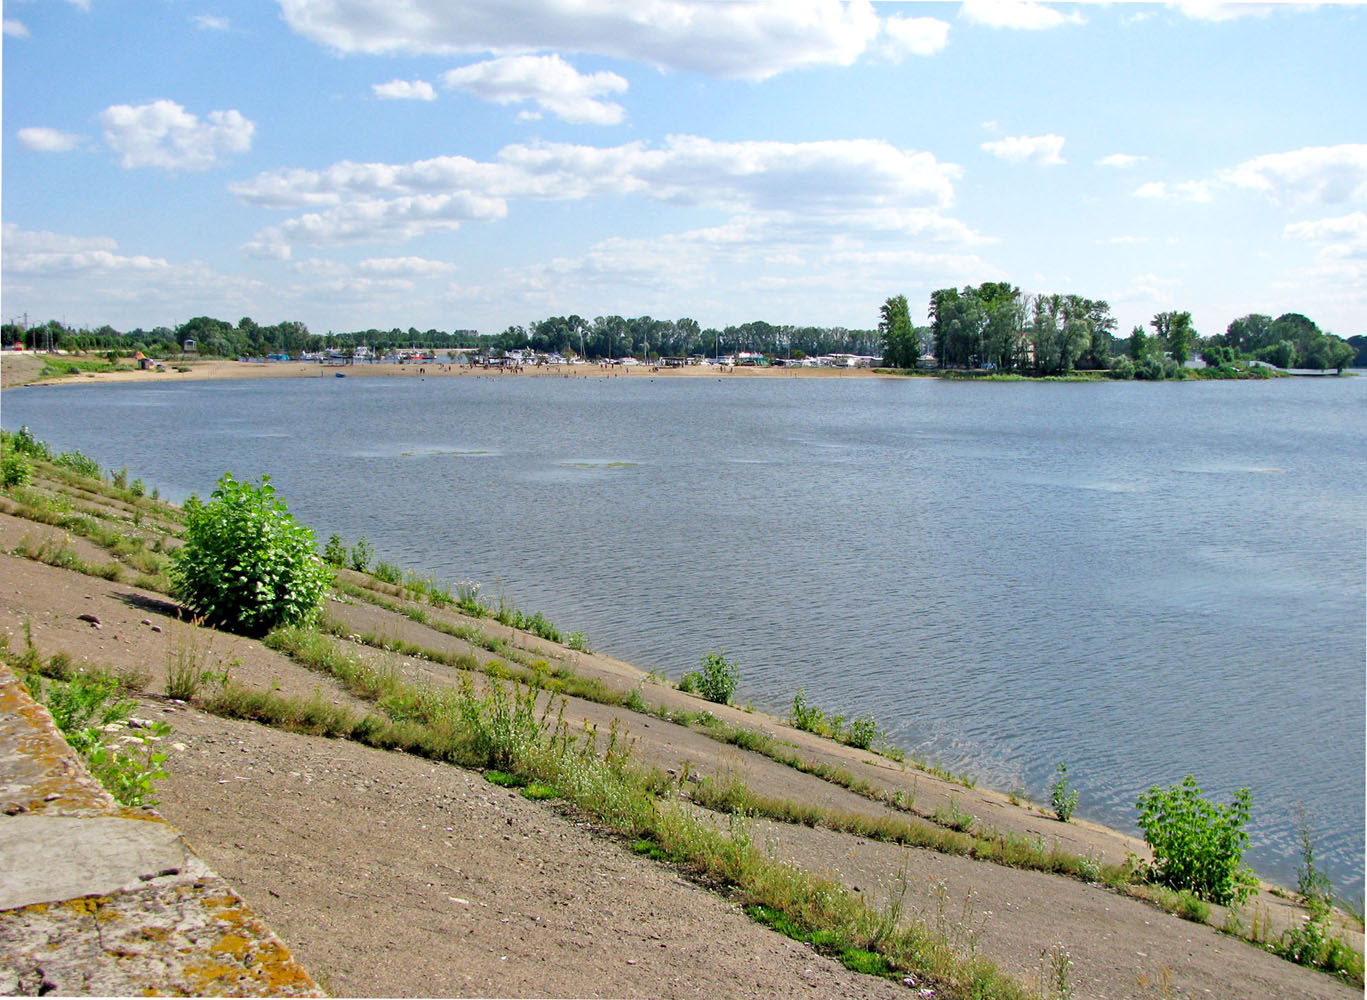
x=98, y=899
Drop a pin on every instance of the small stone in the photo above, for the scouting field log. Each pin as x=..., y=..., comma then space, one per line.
x=156, y=628
x=89, y=618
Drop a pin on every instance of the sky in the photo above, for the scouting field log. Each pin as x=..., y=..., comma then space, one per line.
x=474, y=164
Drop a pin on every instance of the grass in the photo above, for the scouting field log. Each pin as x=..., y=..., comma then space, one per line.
x=63, y=556
x=502, y=730
x=89, y=709
x=950, y=834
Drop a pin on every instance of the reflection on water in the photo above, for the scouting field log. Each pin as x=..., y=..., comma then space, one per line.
x=1140, y=580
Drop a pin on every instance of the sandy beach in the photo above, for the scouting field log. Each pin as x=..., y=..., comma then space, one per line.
x=21, y=369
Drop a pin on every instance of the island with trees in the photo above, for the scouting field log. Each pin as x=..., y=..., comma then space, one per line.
x=994, y=328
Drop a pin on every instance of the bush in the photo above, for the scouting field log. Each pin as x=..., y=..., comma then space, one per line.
x=862, y=732
x=717, y=678
x=360, y=555
x=808, y=718
x=334, y=552
x=1197, y=845
x=26, y=444
x=247, y=565
x=1063, y=798
x=14, y=469
x=79, y=463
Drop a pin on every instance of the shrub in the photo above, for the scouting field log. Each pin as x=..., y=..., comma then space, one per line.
x=717, y=678
x=808, y=718
x=862, y=732
x=1061, y=796
x=247, y=565
x=1197, y=845
x=334, y=552
x=360, y=555
x=81, y=464
x=14, y=469
x=26, y=444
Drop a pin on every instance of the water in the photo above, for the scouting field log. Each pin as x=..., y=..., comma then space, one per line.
x=1141, y=580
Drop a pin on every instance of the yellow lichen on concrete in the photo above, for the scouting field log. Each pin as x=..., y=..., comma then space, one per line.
x=168, y=929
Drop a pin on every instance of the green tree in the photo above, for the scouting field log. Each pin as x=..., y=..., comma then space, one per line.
x=1282, y=354
x=1249, y=334
x=899, y=337
x=1175, y=331
x=246, y=564
x=1138, y=345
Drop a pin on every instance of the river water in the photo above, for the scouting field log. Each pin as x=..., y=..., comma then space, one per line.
x=1142, y=580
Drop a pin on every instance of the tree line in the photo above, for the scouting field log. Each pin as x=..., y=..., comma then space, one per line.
x=601, y=337
x=993, y=326
x=990, y=326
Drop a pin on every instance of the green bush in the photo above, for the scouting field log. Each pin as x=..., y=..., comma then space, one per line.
x=360, y=555
x=862, y=732
x=26, y=444
x=1197, y=845
x=717, y=678
x=808, y=718
x=334, y=552
x=247, y=565
x=1062, y=797
x=14, y=469
x=82, y=464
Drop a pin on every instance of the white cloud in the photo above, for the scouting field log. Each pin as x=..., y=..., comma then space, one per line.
x=368, y=220
x=1221, y=10
x=1349, y=231
x=46, y=254
x=826, y=186
x=1025, y=15
x=1197, y=191
x=555, y=86
x=405, y=90
x=919, y=36
x=163, y=134
x=753, y=40
x=30, y=241
x=1040, y=150
x=408, y=267
x=1153, y=289
x=1330, y=175
x=1120, y=161
x=1339, y=270
x=48, y=140
x=211, y=22
x=54, y=274
x=15, y=29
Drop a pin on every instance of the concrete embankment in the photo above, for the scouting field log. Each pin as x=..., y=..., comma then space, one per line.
x=98, y=899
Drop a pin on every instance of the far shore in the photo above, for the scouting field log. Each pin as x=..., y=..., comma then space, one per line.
x=23, y=370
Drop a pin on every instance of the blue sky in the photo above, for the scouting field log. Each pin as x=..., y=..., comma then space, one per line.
x=480, y=163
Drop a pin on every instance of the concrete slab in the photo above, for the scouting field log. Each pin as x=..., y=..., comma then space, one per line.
x=44, y=859
x=101, y=900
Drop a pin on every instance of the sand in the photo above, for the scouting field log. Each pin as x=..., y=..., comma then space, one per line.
x=22, y=369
